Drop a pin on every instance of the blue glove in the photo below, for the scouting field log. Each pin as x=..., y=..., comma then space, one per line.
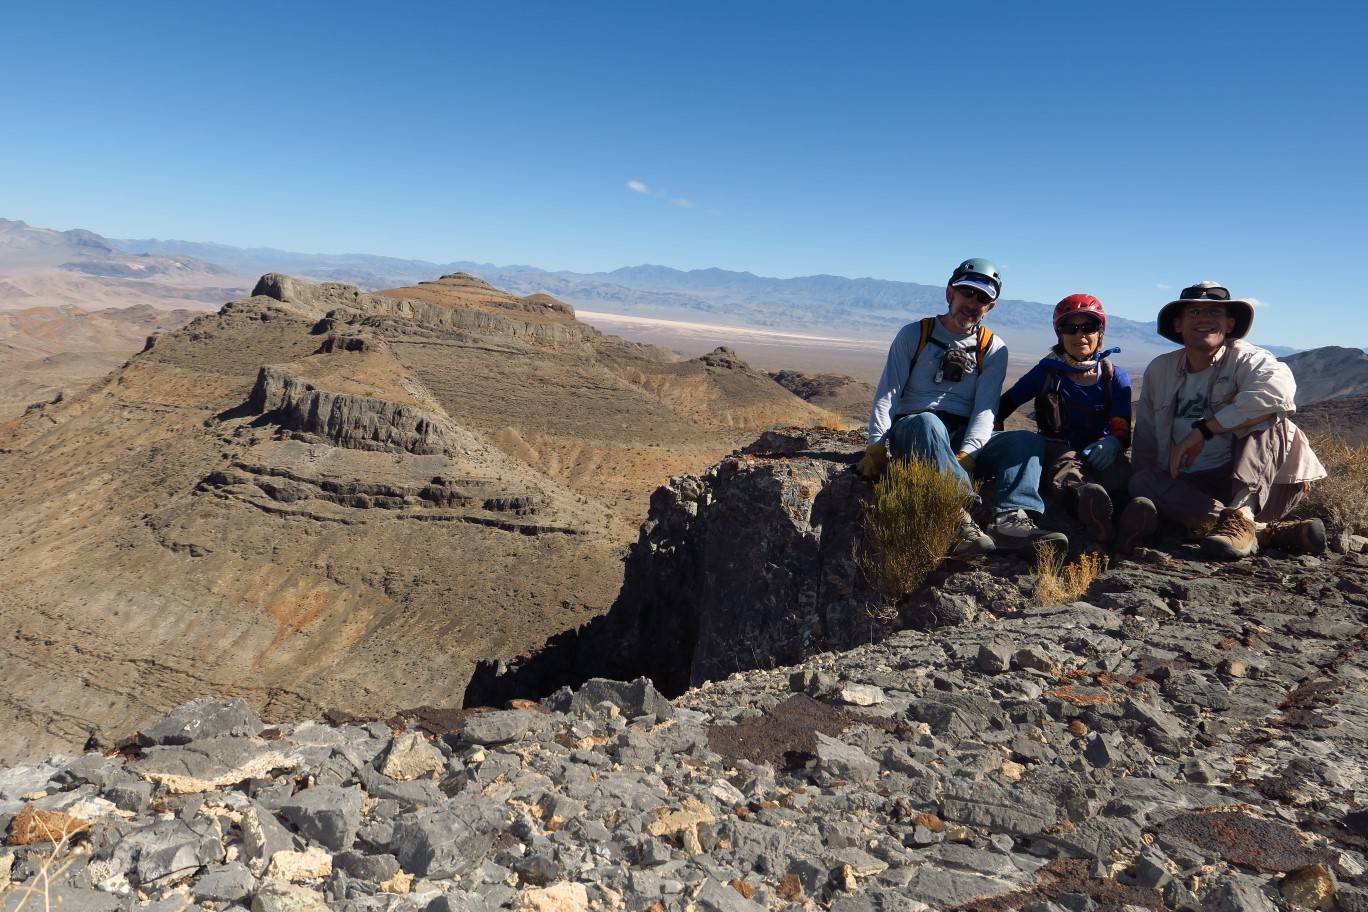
x=1102, y=454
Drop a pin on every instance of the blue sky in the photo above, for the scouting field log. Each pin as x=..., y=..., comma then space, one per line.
x=1120, y=149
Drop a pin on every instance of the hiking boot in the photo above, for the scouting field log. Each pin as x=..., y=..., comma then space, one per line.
x=1095, y=512
x=972, y=541
x=1139, y=521
x=1306, y=535
x=1234, y=536
x=1015, y=531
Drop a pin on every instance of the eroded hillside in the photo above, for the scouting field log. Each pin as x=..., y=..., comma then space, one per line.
x=317, y=498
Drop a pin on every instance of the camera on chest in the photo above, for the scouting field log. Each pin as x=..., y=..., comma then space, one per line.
x=954, y=363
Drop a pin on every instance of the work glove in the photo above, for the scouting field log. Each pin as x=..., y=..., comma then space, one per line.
x=874, y=461
x=966, y=462
x=1102, y=454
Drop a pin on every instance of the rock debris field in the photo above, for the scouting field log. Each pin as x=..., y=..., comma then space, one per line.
x=1190, y=737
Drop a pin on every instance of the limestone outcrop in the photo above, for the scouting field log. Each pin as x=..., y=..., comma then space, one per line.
x=356, y=422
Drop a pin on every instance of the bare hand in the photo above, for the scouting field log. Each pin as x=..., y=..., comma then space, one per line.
x=1185, y=452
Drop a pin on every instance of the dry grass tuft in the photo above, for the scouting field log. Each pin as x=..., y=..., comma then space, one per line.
x=1058, y=583
x=909, y=526
x=1341, y=498
x=833, y=421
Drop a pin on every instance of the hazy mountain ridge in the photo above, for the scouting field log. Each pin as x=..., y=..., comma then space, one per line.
x=1329, y=373
x=367, y=272
x=865, y=308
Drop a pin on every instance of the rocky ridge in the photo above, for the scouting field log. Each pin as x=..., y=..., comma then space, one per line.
x=318, y=497
x=1189, y=736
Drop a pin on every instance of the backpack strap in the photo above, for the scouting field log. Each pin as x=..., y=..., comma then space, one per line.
x=927, y=325
x=1108, y=375
x=984, y=341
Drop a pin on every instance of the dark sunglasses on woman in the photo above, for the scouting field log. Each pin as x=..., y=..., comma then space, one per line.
x=1073, y=329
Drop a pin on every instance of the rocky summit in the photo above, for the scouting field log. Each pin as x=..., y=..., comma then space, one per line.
x=1187, y=736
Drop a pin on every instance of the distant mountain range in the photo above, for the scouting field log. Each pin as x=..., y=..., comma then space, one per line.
x=852, y=308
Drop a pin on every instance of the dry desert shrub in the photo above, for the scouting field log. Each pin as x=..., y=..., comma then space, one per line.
x=909, y=526
x=1341, y=498
x=832, y=421
x=1058, y=583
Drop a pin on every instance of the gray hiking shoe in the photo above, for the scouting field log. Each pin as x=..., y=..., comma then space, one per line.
x=1015, y=531
x=1234, y=536
x=1306, y=535
x=1139, y=521
x=971, y=541
x=1095, y=512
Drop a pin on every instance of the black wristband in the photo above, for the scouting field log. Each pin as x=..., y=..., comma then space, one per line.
x=1201, y=425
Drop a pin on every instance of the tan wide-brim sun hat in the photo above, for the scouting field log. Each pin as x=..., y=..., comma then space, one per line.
x=1206, y=292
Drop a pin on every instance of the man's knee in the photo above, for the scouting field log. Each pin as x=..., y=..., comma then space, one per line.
x=1011, y=448
x=912, y=434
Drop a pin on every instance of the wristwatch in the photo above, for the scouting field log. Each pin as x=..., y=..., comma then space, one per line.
x=1201, y=425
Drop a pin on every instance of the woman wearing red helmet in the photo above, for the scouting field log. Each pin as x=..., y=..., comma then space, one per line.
x=1083, y=409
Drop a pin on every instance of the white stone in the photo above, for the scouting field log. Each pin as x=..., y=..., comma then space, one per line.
x=862, y=695
x=559, y=897
x=412, y=757
x=311, y=864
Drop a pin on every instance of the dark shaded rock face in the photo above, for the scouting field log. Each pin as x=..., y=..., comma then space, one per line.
x=748, y=565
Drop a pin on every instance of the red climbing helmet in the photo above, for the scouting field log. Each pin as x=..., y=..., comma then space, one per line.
x=1079, y=303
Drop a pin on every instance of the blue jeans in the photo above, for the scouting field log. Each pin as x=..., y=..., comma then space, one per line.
x=1011, y=458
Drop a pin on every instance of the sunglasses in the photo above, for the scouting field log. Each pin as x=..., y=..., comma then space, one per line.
x=1208, y=310
x=1073, y=329
x=1199, y=293
x=975, y=294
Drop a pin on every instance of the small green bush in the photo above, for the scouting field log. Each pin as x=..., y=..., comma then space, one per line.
x=909, y=526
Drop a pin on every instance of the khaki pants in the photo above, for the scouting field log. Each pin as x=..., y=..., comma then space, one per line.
x=1065, y=469
x=1195, y=499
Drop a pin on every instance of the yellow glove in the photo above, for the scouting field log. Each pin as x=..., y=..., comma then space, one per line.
x=874, y=461
x=967, y=462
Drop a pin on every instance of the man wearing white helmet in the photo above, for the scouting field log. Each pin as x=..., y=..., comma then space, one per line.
x=1214, y=441
x=936, y=400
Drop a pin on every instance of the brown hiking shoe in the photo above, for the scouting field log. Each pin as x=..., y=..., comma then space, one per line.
x=972, y=541
x=1095, y=512
x=1234, y=536
x=1306, y=535
x=1139, y=520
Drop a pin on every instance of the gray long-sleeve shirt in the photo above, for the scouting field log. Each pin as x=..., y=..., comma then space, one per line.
x=975, y=397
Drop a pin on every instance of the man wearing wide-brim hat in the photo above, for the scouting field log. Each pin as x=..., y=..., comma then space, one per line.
x=1214, y=441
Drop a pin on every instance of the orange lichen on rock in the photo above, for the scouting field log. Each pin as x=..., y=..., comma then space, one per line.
x=31, y=827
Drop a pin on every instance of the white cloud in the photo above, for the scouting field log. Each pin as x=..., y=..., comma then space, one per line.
x=637, y=186
x=1162, y=287
x=1255, y=302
